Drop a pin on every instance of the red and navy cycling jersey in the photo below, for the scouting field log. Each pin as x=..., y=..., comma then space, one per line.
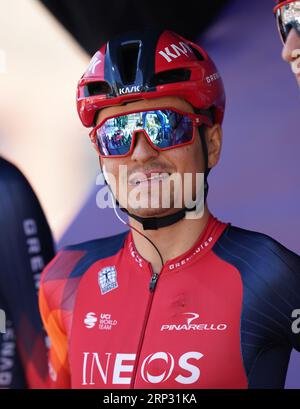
x=222, y=315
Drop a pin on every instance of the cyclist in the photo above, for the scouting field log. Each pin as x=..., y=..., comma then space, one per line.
x=191, y=302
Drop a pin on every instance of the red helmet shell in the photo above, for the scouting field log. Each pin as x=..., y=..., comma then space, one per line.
x=163, y=64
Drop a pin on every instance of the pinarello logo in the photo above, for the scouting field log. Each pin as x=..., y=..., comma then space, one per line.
x=90, y=320
x=194, y=316
x=190, y=325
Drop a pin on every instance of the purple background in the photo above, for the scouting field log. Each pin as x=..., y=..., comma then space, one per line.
x=256, y=184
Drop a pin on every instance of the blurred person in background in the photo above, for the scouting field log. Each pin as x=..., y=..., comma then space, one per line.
x=287, y=15
x=26, y=246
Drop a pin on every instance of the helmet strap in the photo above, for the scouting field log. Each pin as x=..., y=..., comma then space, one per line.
x=201, y=129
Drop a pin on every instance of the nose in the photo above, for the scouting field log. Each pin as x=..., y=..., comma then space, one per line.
x=292, y=43
x=142, y=150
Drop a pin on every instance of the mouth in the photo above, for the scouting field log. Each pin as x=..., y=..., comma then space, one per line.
x=146, y=178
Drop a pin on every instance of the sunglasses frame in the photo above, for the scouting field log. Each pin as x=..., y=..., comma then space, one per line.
x=197, y=120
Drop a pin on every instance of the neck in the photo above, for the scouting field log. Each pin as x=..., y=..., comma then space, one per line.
x=171, y=241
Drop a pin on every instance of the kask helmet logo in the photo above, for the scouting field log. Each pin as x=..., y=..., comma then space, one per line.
x=178, y=49
x=128, y=90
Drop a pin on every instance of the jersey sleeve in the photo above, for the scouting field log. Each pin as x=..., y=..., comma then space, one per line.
x=281, y=273
x=50, y=300
x=270, y=273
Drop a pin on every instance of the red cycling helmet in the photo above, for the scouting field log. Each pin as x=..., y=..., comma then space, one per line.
x=149, y=64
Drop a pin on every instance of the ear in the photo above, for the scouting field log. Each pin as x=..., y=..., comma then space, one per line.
x=214, y=144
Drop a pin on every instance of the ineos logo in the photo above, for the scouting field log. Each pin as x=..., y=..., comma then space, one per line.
x=167, y=357
x=116, y=369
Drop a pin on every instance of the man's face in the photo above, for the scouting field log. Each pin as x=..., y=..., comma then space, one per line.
x=144, y=161
x=290, y=53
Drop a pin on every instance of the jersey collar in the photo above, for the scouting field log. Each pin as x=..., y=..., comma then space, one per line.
x=212, y=231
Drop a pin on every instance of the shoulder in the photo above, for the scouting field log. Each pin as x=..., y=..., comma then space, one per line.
x=271, y=282
x=62, y=276
x=254, y=251
x=73, y=260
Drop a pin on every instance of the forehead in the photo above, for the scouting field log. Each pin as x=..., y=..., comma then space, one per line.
x=170, y=102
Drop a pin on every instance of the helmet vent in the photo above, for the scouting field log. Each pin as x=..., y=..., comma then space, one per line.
x=197, y=53
x=128, y=61
x=170, y=76
x=97, y=88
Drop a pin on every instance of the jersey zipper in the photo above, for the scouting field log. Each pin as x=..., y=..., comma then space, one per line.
x=152, y=285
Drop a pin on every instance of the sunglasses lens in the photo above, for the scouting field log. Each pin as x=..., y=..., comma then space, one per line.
x=114, y=137
x=165, y=129
x=288, y=17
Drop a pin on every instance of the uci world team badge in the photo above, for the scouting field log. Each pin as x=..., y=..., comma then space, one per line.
x=107, y=279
